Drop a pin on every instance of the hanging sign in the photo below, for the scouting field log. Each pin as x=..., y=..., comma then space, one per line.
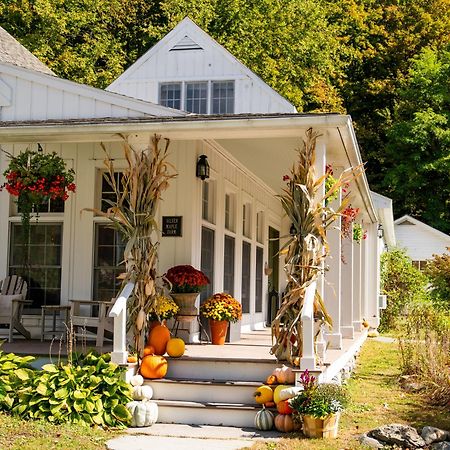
x=172, y=226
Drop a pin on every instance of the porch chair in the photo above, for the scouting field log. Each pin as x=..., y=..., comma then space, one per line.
x=92, y=316
x=13, y=291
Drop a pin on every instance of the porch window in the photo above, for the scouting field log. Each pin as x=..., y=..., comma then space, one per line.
x=170, y=95
x=246, y=220
x=39, y=262
x=228, y=265
x=230, y=212
x=108, y=262
x=260, y=227
x=245, y=289
x=222, y=97
x=208, y=201
x=259, y=279
x=197, y=97
x=207, y=260
x=107, y=193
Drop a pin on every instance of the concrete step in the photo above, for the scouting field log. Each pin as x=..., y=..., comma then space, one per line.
x=205, y=413
x=180, y=389
x=216, y=369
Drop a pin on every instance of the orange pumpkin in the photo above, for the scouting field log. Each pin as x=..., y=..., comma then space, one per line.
x=271, y=379
x=149, y=350
x=284, y=423
x=153, y=366
x=158, y=339
x=283, y=407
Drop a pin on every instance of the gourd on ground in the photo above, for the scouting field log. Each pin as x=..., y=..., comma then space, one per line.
x=158, y=339
x=142, y=393
x=264, y=420
x=175, y=347
x=263, y=394
x=143, y=414
x=285, y=423
x=153, y=366
x=277, y=391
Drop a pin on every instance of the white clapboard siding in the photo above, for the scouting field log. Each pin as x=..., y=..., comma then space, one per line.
x=31, y=95
x=173, y=60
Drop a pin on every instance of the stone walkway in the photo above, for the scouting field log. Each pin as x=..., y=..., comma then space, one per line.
x=189, y=437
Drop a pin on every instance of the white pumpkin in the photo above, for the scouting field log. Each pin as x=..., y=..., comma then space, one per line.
x=137, y=380
x=290, y=392
x=143, y=414
x=142, y=392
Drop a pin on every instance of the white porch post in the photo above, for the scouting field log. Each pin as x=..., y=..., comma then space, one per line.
x=365, y=277
x=333, y=280
x=357, y=269
x=320, y=166
x=347, y=329
x=374, y=249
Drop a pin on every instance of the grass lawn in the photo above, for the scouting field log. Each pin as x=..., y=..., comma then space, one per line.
x=377, y=400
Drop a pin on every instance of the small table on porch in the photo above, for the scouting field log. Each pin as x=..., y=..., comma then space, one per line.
x=54, y=309
x=187, y=319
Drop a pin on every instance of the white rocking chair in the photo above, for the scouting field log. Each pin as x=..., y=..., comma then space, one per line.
x=13, y=291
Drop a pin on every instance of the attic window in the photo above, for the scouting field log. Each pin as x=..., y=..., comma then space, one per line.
x=185, y=44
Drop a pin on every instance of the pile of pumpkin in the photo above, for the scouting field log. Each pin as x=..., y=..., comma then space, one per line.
x=276, y=394
x=153, y=364
x=144, y=413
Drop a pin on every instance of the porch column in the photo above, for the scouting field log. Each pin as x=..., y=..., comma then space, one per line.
x=320, y=164
x=365, y=277
x=357, y=266
x=333, y=279
x=347, y=329
x=374, y=249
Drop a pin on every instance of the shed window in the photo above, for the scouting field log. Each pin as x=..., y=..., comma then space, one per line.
x=222, y=97
x=170, y=95
x=197, y=97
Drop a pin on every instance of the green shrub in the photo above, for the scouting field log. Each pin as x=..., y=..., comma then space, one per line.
x=403, y=284
x=438, y=271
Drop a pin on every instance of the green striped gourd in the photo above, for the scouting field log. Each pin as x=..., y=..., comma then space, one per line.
x=264, y=420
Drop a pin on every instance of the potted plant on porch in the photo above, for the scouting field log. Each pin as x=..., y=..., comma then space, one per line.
x=185, y=284
x=220, y=309
x=318, y=407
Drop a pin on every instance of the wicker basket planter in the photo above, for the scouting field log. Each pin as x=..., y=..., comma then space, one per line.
x=321, y=428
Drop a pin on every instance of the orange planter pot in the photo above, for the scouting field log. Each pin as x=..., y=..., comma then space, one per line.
x=218, y=331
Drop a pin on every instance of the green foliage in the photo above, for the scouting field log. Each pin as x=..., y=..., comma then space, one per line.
x=438, y=271
x=358, y=232
x=322, y=401
x=403, y=284
x=425, y=349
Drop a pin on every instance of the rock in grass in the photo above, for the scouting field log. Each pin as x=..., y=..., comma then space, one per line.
x=369, y=442
x=432, y=434
x=398, y=434
x=441, y=446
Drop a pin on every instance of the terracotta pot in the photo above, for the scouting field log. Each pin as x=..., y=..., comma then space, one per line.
x=321, y=428
x=218, y=331
x=186, y=302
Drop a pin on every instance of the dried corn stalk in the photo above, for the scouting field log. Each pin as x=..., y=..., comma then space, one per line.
x=307, y=247
x=133, y=215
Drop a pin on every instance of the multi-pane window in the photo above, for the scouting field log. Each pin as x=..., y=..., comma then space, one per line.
x=245, y=287
x=228, y=265
x=108, y=196
x=170, y=95
x=259, y=279
x=260, y=227
x=230, y=208
x=246, y=220
x=222, y=97
x=38, y=261
x=197, y=97
x=108, y=262
x=208, y=203
x=207, y=261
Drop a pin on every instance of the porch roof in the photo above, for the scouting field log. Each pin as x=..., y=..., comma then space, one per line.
x=262, y=142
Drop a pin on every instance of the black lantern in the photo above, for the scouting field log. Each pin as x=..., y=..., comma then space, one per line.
x=380, y=231
x=202, y=170
x=40, y=149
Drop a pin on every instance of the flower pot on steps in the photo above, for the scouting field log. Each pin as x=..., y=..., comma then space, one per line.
x=218, y=331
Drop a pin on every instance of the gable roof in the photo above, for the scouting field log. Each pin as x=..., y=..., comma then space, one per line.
x=408, y=220
x=13, y=52
x=185, y=36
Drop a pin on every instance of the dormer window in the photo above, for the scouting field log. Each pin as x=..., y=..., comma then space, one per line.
x=199, y=97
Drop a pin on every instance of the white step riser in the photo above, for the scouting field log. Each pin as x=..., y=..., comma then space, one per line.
x=220, y=370
x=202, y=393
x=206, y=416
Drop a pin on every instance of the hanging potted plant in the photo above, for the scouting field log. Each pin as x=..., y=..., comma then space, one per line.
x=220, y=309
x=185, y=283
x=35, y=178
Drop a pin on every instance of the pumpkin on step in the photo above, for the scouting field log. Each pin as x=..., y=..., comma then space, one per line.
x=143, y=414
x=284, y=423
x=136, y=380
x=149, y=350
x=158, y=339
x=142, y=393
x=263, y=394
x=175, y=347
x=284, y=375
x=271, y=379
x=283, y=407
x=264, y=420
x=153, y=366
x=277, y=391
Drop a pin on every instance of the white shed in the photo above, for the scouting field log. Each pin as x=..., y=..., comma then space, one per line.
x=420, y=240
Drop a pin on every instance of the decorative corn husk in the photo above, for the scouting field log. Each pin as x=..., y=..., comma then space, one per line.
x=307, y=246
x=133, y=215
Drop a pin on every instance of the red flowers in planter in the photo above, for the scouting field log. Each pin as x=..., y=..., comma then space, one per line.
x=185, y=278
x=348, y=217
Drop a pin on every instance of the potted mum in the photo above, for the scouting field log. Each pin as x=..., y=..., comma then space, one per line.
x=318, y=407
x=185, y=283
x=165, y=308
x=220, y=309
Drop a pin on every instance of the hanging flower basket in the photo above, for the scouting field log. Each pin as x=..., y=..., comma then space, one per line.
x=35, y=178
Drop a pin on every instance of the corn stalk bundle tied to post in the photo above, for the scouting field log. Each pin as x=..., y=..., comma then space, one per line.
x=133, y=215
x=306, y=249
